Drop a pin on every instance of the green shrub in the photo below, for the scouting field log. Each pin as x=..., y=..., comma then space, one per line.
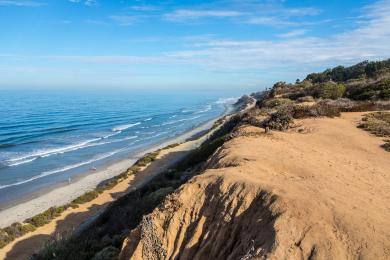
x=27, y=228
x=4, y=238
x=171, y=146
x=148, y=158
x=46, y=216
x=306, y=99
x=328, y=90
x=326, y=109
x=377, y=123
x=373, y=91
x=275, y=102
x=134, y=169
x=15, y=230
x=86, y=197
x=73, y=205
x=280, y=120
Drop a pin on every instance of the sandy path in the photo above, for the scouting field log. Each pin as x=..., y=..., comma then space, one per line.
x=71, y=219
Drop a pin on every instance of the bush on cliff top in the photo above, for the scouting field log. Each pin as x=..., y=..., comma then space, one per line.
x=377, y=123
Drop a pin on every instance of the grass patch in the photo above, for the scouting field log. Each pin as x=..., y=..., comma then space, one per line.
x=148, y=158
x=170, y=146
x=46, y=216
x=86, y=197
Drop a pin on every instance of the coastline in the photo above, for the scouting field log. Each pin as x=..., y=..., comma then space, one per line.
x=64, y=193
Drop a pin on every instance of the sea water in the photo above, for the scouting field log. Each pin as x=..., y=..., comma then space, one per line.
x=46, y=137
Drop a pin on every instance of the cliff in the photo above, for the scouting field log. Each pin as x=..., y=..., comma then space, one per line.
x=318, y=191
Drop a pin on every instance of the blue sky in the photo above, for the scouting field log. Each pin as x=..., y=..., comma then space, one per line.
x=184, y=44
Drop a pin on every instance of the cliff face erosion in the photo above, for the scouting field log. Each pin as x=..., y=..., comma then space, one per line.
x=318, y=191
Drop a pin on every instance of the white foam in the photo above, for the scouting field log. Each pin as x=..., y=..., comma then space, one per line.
x=66, y=168
x=128, y=138
x=49, y=152
x=148, y=119
x=21, y=162
x=124, y=127
x=180, y=120
x=227, y=101
x=111, y=135
x=153, y=136
x=204, y=110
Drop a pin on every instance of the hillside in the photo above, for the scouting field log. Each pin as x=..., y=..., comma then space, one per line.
x=317, y=194
x=302, y=174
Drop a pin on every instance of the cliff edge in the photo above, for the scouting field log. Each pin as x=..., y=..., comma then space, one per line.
x=318, y=191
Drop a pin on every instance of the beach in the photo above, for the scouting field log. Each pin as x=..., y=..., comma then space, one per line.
x=74, y=219
x=88, y=181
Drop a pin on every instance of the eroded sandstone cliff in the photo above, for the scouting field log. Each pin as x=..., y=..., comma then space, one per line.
x=320, y=191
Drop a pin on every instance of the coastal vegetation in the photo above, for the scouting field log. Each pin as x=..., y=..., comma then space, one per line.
x=359, y=88
x=104, y=238
x=10, y=233
x=362, y=87
x=378, y=123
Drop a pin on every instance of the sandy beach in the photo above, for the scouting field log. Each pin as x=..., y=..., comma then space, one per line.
x=87, y=181
x=72, y=219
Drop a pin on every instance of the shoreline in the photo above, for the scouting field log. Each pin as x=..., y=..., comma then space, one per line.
x=63, y=193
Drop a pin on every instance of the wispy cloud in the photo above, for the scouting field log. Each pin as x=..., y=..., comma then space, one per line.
x=124, y=20
x=95, y=22
x=271, y=21
x=293, y=33
x=86, y=2
x=90, y=2
x=368, y=41
x=292, y=49
x=188, y=14
x=144, y=8
x=20, y=3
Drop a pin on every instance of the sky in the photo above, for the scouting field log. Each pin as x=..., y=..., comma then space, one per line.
x=184, y=44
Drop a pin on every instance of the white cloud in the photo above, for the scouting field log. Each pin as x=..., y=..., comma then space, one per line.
x=90, y=2
x=370, y=40
x=271, y=21
x=86, y=2
x=187, y=14
x=144, y=8
x=293, y=33
x=308, y=11
x=20, y=3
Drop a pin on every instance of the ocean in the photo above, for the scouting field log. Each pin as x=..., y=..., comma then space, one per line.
x=47, y=137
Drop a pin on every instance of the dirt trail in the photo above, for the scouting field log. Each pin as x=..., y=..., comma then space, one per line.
x=319, y=191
